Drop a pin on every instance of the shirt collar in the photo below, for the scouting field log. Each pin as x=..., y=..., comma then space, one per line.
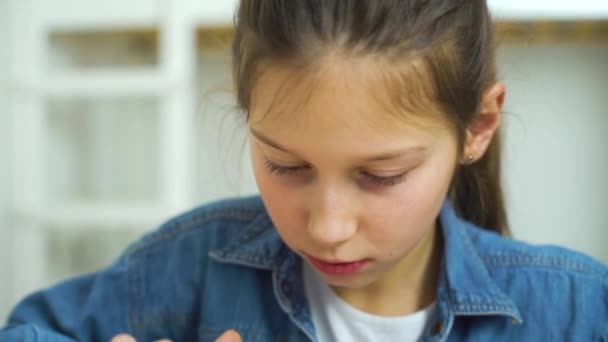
x=465, y=282
x=256, y=245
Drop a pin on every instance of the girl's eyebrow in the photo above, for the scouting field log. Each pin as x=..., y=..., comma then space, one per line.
x=380, y=157
x=269, y=141
x=397, y=154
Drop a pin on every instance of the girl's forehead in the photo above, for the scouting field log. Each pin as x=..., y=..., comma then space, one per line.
x=351, y=97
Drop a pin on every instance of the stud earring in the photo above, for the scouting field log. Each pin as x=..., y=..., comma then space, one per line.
x=469, y=159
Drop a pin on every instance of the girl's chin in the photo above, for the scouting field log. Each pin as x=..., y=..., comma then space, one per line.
x=353, y=281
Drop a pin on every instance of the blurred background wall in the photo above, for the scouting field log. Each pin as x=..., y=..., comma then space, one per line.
x=557, y=143
x=6, y=262
x=116, y=115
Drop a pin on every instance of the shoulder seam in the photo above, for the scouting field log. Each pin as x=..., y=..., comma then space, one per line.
x=541, y=262
x=194, y=220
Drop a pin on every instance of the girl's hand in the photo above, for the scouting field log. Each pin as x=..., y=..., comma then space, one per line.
x=129, y=338
x=228, y=336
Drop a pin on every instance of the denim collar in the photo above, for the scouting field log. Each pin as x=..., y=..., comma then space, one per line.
x=465, y=286
x=465, y=282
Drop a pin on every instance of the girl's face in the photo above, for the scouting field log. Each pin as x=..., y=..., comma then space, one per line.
x=345, y=180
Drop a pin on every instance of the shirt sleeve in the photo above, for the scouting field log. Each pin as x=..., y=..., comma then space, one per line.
x=30, y=332
x=92, y=307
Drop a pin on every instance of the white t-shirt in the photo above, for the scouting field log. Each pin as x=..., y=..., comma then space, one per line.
x=336, y=320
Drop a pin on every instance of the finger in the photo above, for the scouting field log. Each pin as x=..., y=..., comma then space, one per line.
x=229, y=336
x=163, y=340
x=123, y=338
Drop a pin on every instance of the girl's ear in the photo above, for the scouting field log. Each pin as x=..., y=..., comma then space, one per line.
x=481, y=129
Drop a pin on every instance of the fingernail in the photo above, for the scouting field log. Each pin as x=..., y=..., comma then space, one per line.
x=123, y=338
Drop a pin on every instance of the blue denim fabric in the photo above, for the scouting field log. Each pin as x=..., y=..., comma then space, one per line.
x=223, y=266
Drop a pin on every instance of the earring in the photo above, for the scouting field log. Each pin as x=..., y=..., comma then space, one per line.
x=469, y=159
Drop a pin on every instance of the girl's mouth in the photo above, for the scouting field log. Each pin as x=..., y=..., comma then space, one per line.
x=337, y=268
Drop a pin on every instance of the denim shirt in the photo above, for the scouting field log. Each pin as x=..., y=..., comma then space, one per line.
x=223, y=266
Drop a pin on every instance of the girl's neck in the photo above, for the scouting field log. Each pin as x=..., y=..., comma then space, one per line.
x=409, y=286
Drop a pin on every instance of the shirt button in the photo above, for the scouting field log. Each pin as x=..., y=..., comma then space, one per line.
x=436, y=328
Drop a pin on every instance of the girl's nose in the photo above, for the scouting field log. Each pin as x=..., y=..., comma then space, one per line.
x=331, y=221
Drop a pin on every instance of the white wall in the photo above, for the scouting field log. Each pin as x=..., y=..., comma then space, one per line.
x=5, y=161
x=557, y=144
x=223, y=165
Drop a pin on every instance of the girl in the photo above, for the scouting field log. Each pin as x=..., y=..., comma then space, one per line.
x=373, y=128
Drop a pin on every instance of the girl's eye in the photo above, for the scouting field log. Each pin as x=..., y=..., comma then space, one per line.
x=282, y=170
x=385, y=181
x=376, y=180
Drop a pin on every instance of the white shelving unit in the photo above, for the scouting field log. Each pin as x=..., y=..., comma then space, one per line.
x=104, y=83
x=100, y=15
x=169, y=83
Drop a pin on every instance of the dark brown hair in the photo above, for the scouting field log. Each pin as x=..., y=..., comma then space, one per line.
x=454, y=40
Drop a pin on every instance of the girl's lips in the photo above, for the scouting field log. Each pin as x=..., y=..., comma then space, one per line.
x=341, y=268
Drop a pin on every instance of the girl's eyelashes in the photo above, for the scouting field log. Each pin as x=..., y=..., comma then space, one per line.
x=385, y=181
x=373, y=179
x=281, y=170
